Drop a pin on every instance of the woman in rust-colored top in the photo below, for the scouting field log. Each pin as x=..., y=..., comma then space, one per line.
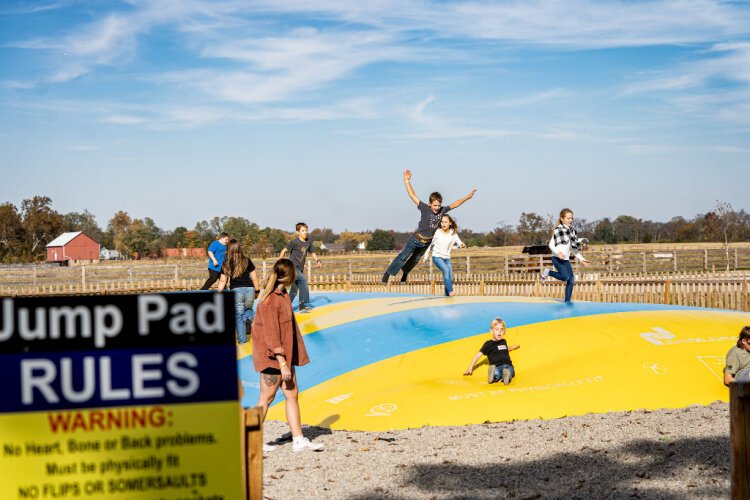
x=277, y=348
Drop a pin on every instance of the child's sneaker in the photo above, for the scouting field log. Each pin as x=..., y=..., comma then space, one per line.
x=543, y=275
x=491, y=374
x=302, y=444
x=506, y=376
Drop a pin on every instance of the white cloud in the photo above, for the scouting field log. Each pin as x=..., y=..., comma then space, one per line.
x=690, y=87
x=268, y=60
x=570, y=23
x=18, y=84
x=433, y=126
x=730, y=150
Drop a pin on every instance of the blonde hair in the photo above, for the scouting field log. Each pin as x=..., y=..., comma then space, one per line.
x=283, y=272
x=563, y=213
x=498, y=321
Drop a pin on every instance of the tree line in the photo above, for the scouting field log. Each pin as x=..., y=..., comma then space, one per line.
x=26, y=230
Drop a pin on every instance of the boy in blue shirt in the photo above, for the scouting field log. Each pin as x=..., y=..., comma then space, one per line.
x=217, y=252
x=429, y=221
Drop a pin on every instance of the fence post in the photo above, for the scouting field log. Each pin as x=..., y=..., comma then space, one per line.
x=644, y=262
x=253, y=440
x=309, y=271
x=506, y=265
x=35, y=282
x=668, y=291
x=83, y=277
x=739, y=430
x=468, y=264
x=432, y=286
x=264, y=270
x=674, y=261
x=746, y=299
x=481, y=287
x=598, y=288
x=130, y=275
x=736, y=259
x=705, y=260
x=350, y=270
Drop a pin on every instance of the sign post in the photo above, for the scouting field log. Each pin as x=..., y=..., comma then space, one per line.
x=131, y=396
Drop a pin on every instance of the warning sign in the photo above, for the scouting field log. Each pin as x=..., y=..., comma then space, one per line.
x=119, y=397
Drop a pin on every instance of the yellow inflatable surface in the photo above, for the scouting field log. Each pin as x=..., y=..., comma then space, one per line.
x=398, y=361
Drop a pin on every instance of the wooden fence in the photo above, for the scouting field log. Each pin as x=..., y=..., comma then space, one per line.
x=722, y=290
x=469, y=262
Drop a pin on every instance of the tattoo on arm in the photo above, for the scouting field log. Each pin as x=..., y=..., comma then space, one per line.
x=270, y=378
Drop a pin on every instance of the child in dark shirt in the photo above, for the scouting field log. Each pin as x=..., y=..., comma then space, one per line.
x=298, y=249
x=430, y=215
x=497, y=352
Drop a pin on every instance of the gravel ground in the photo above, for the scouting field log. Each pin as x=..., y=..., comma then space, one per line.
x=681, y=453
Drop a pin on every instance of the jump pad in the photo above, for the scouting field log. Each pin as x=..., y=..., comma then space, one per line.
x=389, y=361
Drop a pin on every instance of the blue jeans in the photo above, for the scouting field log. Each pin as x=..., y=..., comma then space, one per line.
x=408, y=258
x=499, y=372
x=446, y=268
x=564, y=273
x=243, y=310
x=300, y=284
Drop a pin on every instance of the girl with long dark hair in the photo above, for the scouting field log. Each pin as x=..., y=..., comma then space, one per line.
x=243, y=281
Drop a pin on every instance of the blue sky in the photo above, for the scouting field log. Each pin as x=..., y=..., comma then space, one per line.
x=279, y=111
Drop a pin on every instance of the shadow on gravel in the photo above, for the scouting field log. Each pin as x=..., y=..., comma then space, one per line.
x=310, y=431
x=642, y=469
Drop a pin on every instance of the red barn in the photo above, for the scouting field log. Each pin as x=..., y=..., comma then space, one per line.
x=72, y=246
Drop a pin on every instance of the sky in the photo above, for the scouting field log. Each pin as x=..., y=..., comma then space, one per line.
x=282, y=111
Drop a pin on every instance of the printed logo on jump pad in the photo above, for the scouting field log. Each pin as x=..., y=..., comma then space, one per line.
x=655, y=368
x=660, y=336
x=657, y=335
x=338, y=399
x=382, y=410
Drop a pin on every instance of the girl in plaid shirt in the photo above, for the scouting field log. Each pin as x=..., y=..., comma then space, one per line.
x=563, y=243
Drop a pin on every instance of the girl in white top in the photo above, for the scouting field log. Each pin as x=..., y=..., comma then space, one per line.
x=563, y=243
x=444, y=240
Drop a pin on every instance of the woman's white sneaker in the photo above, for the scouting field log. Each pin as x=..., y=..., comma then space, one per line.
x=302, y=443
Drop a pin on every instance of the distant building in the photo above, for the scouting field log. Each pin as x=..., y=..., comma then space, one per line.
x=106, y=254
x=332, y=247
x=72, y=246
x=340, y=247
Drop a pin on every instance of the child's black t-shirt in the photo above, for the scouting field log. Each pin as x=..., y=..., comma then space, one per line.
x=243, y=280
x=497, y=352
x=298, y=251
